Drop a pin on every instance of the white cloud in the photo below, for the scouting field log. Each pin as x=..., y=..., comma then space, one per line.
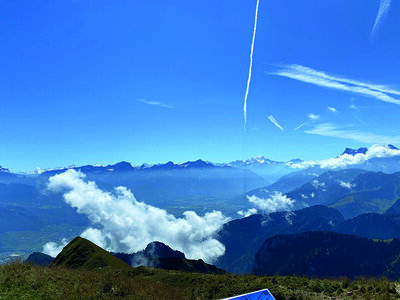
x=247, y=213
x=319, y=78
x=313, y=117
x=350, y=160
x=53, y=249
x=347, y=185
x=332, y=109
x=316, y=184
x=331, y=130
x=383, y=10
x=275, y=122
x=145, y=101
x=123, y=224
x=277, y=202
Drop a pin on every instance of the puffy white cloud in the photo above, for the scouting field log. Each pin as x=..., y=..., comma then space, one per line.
x=123, y=224
x=53, y=249
x=247, y=213
x=332, y=109
x=313, y=117
x=316, y=184
x=277, y=202
x=348, y=160
x=347, y=185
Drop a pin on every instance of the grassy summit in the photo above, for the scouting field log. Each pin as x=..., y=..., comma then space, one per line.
x=83, y=254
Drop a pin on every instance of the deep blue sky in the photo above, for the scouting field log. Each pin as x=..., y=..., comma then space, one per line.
x=100, y=81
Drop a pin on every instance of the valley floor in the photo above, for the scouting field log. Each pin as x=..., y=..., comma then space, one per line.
x=22, y=281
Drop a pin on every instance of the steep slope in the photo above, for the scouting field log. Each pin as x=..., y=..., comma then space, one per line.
x=83, y=254
x=329, y=254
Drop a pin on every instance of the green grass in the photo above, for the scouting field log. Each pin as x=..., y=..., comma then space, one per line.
x=21, y=281
x=83, y=254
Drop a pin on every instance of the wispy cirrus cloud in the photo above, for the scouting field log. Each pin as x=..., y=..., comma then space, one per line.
x=383, y=10
x=331, y=130
x=156, y=103
x=275, y=122
x=319, y=78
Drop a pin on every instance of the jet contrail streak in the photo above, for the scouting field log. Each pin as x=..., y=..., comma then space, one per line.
x=251, y=65
x=301, y=125
x=383, y=9
x=275, y=122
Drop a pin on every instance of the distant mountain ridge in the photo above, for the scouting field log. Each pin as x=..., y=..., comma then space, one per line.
x=158, y=255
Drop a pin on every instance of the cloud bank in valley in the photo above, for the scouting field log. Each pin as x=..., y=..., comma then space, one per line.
x=346, y=160
x=120, y=223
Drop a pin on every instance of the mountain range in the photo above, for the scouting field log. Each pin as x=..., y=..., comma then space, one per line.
x=244, y=237
x=81, y=253
x=355, y=198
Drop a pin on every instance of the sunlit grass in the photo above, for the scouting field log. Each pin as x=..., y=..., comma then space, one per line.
x=22, y=281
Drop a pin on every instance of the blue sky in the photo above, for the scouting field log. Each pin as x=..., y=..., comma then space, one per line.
x=86, y=82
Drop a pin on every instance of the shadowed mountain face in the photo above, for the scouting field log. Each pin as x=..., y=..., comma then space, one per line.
x=370, y=225
x=243, y=238
x=83, y=254
x=161, y=256
x=327, y=254
x=39, y=259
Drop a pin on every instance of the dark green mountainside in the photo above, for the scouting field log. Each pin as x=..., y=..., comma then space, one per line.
x=83, y=254
x=244, y=237
x=328, y=254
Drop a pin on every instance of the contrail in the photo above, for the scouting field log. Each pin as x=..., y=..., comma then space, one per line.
x=311, y=118
x=383, y=9
x=301, y=125
x=251, y=65
x=275, y=122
